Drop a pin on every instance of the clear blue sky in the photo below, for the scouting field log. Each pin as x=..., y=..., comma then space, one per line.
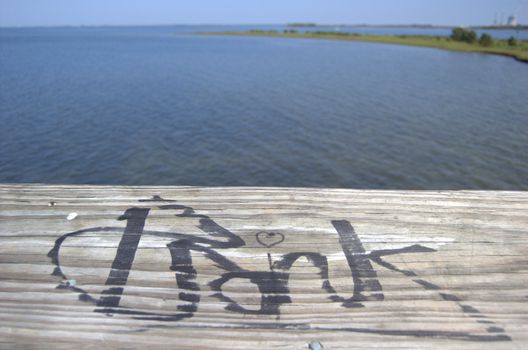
x=126, y=12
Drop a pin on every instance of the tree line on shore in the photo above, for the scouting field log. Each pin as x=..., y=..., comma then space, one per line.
x=458, y=34
x=470, y=36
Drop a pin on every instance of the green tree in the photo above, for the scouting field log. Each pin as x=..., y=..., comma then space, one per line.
x=512, y=41
x=471, y=37
x=457, y=34
x=486, y=40
x=465, y=35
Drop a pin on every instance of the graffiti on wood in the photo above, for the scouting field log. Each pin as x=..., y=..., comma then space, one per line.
x=272, y=283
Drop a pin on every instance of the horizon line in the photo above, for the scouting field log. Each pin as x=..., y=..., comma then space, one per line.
x=251, y=24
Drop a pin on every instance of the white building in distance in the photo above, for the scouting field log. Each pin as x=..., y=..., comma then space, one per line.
x=512, y=21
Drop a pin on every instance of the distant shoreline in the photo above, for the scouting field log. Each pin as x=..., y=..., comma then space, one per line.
x=364, y=25
x=515, y=28
x=501, y=48
x=418, y=26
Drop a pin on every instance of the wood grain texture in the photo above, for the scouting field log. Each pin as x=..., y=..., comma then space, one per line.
x=251, y=268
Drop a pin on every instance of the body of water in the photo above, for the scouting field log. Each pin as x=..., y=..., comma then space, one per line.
x=159, y=106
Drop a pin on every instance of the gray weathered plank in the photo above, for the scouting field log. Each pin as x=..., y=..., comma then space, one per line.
x=239, y=268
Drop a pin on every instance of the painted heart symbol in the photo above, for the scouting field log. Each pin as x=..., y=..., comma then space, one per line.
x=270, y=239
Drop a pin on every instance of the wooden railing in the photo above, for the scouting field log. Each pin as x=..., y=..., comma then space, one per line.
x=262, y=268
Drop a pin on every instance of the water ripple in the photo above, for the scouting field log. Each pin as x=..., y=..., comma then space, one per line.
x=131, y=106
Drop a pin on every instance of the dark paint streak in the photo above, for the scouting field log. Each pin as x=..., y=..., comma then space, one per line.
x=307, y=327
x=495, y=330
x=376, y=257
x=427, y=285
x=363, y=274
x=449, y=297
x=485, y=322
x=126, y=252
x=156, y=198
x=469, y=309
x=270, y=262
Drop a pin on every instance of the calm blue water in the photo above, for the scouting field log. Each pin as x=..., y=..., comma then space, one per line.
x=154, y=105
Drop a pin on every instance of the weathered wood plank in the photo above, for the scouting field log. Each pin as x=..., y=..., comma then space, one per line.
x=239, y=268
